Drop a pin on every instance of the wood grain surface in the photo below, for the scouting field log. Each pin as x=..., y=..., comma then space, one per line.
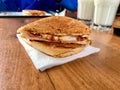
x=117, y=22
x=100, y=71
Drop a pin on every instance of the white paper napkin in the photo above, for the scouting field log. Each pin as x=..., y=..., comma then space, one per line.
x=42, y=61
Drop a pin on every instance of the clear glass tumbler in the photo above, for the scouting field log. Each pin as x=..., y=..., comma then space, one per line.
x=104, y=14
x=85, y=11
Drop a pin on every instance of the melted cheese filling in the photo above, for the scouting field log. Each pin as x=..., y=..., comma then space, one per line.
x=65, y=39
x=59, y=38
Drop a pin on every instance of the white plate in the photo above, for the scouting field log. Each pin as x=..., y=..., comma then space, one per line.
x=16, y=14
x=21, y=14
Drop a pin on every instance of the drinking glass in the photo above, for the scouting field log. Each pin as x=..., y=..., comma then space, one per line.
x=85, y=11
x=104, y=14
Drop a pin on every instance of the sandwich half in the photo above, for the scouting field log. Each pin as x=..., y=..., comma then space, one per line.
x=57, y=36
x=34, y=12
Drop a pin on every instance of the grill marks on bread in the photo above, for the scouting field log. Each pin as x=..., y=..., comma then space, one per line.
x=57, y=25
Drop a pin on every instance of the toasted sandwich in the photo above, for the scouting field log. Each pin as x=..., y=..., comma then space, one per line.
x=34, y=12
x=57, y=36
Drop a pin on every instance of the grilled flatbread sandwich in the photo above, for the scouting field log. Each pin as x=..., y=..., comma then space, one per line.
x=34, y=12
x=57, y=36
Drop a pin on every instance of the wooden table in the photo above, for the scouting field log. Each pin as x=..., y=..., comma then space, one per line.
x=100, y=71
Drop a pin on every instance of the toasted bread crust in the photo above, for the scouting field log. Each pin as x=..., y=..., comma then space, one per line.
x=56, y=25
